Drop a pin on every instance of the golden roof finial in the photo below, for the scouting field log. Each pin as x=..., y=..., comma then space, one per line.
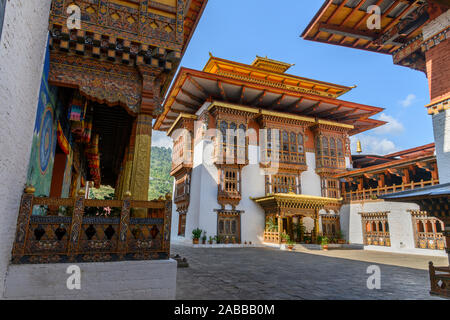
x=211, y=55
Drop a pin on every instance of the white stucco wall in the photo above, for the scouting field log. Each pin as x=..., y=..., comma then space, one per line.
x=310, y=179
x=441, y=128
x=400, y=226
x=22, y=48
x=129, y=280
x=253, y=185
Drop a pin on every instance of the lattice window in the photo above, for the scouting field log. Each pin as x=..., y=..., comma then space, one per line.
x=428, y=231
x=283, y=183
x=290, y=146
x=232, y=142
x=330, y=152
x=182, y=186
x=330, y=188
x=230, y=180
x=182, y=224
x=228, y=227
x=376, y=228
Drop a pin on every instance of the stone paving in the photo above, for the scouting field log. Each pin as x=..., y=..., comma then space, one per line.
x=272, y=274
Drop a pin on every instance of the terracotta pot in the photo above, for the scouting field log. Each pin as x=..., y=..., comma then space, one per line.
x=325, y=247
x=195, y=241
x=290, y=247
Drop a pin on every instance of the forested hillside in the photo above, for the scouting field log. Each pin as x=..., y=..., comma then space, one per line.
x=160, y=180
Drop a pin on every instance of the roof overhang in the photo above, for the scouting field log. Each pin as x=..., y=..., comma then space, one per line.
x=344, y=23
x=297, y=201
x=192, y=88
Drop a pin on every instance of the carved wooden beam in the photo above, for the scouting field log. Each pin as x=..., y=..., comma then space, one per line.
x=241, y=96
x=328, y=112
x=222, y=91
x=347, y=32
x=198, y=86
x=312, y=108
x=192, y=96
x=187, y=105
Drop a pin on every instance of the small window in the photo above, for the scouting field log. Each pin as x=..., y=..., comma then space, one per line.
x=2, y=14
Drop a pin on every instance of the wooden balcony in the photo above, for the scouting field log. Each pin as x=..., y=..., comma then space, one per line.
x=430, y=240
x=378, y=238
x=78, y=237
x=373, y=193
x=439, y=280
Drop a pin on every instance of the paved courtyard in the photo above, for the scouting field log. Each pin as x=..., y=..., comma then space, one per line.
x=272, y=274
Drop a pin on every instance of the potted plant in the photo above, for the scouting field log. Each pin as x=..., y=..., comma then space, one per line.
x=299, y=230
x=210, y=240
x=204, y=237
x=233, y=240
x=217, y=239
x=324, y=242
x=196, y=234
x=226, y=240
x=290, y=244
x=341, y=237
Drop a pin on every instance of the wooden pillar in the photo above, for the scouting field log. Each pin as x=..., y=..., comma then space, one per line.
x=140, y=172
x=316, y=225
x=280, y=227
x=406, y=177
x=381, y=181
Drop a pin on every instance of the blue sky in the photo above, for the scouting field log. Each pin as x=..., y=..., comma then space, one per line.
x=239, y=30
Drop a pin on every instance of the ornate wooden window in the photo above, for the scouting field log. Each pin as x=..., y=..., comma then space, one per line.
x=182, y=186
x=376, y=228
x=290, y=146
x=330, y=188
x=229, y=226
x=428, y=231
x=230, y=180
x=330, y=152
x=182, y=224
x=283, y=183
x=232, y=143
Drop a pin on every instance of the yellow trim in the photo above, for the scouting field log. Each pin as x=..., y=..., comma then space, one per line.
x=212, y=66
x=181, y=115
x=337, y=124
x=298, y=197
x=232, y=106
x=286, y=115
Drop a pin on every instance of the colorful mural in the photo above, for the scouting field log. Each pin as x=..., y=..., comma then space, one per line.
x=44, y=137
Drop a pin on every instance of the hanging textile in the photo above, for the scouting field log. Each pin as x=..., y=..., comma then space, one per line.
x=76, y=107
x=62, y=140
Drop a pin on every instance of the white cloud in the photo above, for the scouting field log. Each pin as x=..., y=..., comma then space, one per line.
x=408, y=100
x=160, y=139
x=393, y=126
x=373, y=145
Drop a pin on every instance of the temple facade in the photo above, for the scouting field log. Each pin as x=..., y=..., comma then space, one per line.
x=261, y=156
x=416, y=34
x=96, y=83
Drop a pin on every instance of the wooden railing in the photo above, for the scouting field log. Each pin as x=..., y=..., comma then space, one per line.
x=78, y=237
x=439, y=280
x=271, y=236
x=373, y=193
x=430, y=240
x=379, y=238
